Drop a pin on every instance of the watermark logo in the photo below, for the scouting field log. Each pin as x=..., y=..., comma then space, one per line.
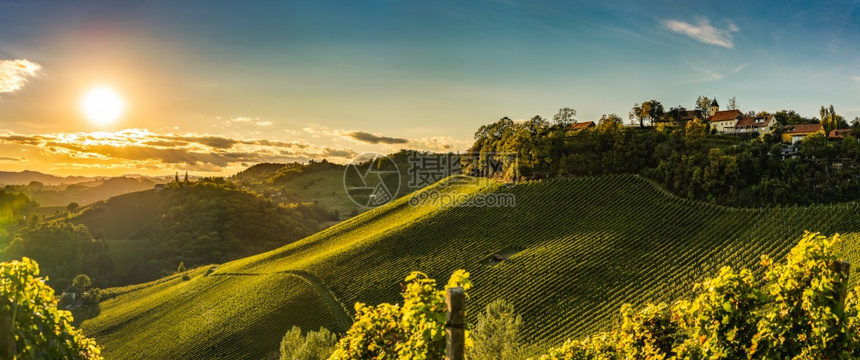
x=480, y=169
x=371, y=180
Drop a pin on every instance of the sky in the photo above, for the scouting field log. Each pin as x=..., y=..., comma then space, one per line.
x=211, y=87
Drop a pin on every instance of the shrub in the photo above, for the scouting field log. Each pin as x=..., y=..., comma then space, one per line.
x=316, y=345
x=41, y=330
x=795, y=311
x=496, y=335
x=415, y=330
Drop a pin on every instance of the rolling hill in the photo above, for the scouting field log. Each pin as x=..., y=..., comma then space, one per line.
x=319, y=182
x=574, y=249
x=150, y=232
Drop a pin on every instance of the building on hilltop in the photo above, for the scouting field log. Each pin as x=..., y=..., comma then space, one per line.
x=582, y=126
x=722, y=121
x=838, y=134
x=795, y=133
x=761, y=125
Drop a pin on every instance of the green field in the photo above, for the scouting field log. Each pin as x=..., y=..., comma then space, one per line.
x=577, y=249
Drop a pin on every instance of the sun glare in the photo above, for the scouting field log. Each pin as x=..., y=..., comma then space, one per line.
x=102, y=105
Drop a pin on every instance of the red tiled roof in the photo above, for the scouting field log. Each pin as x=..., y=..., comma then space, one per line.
x=725, y=115
x=750, y=121
x=582, y=125
x=802, y=128
x=839, y=134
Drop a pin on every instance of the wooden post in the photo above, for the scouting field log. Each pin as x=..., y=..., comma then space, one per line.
x=843, y=268
x=455, y=326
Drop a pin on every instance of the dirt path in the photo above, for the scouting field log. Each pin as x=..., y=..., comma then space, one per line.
x=343, y=318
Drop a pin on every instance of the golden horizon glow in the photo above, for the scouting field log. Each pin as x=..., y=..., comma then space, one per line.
x=102, y=105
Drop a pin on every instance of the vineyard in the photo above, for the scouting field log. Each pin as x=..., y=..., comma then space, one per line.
x=574, y=251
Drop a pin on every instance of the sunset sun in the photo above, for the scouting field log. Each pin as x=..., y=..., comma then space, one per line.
x=102, y=105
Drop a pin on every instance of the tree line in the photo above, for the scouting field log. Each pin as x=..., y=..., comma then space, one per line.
x=685, y=157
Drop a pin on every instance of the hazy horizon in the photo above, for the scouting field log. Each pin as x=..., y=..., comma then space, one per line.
x=213, y=88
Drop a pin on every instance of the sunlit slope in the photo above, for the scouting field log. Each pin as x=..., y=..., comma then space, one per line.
x=585, y=246
x=579, y=248
x=208, y=316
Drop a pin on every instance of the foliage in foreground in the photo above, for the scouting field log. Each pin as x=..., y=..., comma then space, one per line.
x=795, y=312
x=496, y=335
x=415, y=330
x=41, y=330
x=316, y=345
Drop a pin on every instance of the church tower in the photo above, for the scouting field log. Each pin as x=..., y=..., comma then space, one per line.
x=714, y=107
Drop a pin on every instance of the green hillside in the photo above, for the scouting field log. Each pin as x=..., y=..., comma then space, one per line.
x=121, y=217
x=150, y=232
x=576, y=249
x=320, y=182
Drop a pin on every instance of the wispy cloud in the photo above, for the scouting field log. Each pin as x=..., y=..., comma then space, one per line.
x=856, y=78
x=703, y=31
x=14, y=73
x=393, y=143
x=369, y=138
x=713, y=73
x=242, y=121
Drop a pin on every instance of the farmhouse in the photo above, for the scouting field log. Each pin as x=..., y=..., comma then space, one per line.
x=754, y=124
x=838, y=134
x=721, y=121
x=582, y=126
x=794, y=133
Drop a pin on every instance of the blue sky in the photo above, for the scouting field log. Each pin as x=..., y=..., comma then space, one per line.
x=429, y=73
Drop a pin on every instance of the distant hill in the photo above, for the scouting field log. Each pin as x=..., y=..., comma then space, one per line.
x=150, y=232
x=27, y=176
x=573, y=251
x=90, y=191
x=320, y=182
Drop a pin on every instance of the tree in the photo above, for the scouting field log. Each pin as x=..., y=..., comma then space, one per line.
x=496, y=336
x=703, y=106
x=648, y=111
x=855, y=127
x=609, y=121
x=791, y=117
x=316, y=345
x=72, y=206
x=30, y=319
x=181, y=267
x=81, y=283
x=676, y=114
x=733, y=104
x=695, y=132
x=830, y=120
x=565, y=117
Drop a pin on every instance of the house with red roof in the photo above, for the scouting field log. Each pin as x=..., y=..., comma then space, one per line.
x=722, y=121
x=795, y=133
x=582, y=126
x=760, y=125
x=838, y=134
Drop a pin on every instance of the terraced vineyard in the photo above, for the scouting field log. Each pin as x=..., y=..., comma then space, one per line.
x=576, y=249
x=208, y=317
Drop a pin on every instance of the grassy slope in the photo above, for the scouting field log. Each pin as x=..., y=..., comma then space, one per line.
x=583, y=247
x=208, y=317
x=323, y=187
